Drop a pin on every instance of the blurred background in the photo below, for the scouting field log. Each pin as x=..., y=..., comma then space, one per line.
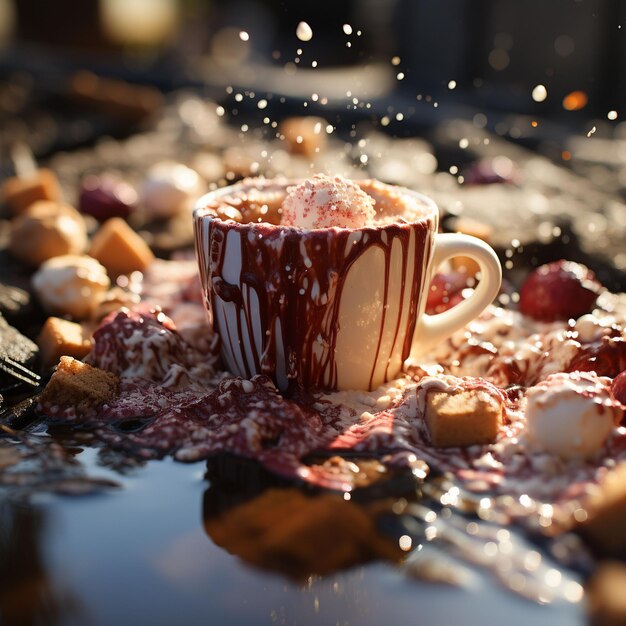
x=222, y=85
x=564, y=60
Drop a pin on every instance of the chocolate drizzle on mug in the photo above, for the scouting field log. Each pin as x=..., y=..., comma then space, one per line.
x=276, y=294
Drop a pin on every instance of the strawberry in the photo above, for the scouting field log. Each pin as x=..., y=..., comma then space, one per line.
x=618, y=388
x=490, y=171
x=605, y=357
x=103, y=197
x=559, y=291
x=445, y=292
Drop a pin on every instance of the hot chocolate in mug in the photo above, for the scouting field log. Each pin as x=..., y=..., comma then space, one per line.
x=328, y=308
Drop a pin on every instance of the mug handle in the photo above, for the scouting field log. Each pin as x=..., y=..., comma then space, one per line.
x=431, y=329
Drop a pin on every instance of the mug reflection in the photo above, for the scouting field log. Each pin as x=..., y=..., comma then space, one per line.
x=284, y=529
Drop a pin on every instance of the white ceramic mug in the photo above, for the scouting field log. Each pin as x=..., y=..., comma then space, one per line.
x=329, y=308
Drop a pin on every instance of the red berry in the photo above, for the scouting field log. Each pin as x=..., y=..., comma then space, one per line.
x=559, y=291
x=618, y=388
x=490, y=171
x=104, y=196
x=605, y=357
x=445, y=292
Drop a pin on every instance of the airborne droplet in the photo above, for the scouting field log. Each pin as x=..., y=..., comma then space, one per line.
x=304, y=32
x=539, y=93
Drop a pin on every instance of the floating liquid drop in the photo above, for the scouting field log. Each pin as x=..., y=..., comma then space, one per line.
x=304, y=32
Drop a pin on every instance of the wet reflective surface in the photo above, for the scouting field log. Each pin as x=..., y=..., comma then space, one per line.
x=149, y=553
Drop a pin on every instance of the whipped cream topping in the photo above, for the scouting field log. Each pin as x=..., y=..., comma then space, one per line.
x=324, y=202
x=571, y=415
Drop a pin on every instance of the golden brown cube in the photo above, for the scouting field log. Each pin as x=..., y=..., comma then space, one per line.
x=18, y=193
x=120, y=249
x=604, y=527
x=61, y=337
x=304, y=135
x=463, y=418
x=79, y=385
x=606, y=597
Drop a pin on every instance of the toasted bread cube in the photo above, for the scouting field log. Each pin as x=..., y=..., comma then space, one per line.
x=61, y=337
x=606, y=597
x=18, y=193
x=463, y=418
x=120, y=249
x=305, y=135
x=471, y=227
x=79, y=385
x=604, y=526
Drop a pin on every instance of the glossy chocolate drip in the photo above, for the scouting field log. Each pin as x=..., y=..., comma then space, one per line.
x=299, y=278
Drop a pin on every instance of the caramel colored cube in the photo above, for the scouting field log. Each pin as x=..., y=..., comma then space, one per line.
x=61, y=337
x=120, y=249
x=471, y=227
x=18, y=193
x=462, y=418
x=79, y=385
x=606, y=597
x=604, y=526
x=304, y=135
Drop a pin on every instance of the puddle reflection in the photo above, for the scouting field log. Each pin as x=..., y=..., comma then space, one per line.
x=29, y=596
x=288, y=530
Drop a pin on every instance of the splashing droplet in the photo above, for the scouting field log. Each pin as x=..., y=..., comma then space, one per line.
x=539, y=93
x=347, y=29
x=592, y=131
x=395, y=61
x=304, y=32
x=243, y=35
x=452, y=84
x=575, y=101
x=612, y=115
x=405, y=542
x=262, y=103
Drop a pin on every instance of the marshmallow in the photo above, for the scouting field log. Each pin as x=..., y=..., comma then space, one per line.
x=324, y=202
x=47, y=229
x=169, y=188
x=71, y=285
x=571, y=415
